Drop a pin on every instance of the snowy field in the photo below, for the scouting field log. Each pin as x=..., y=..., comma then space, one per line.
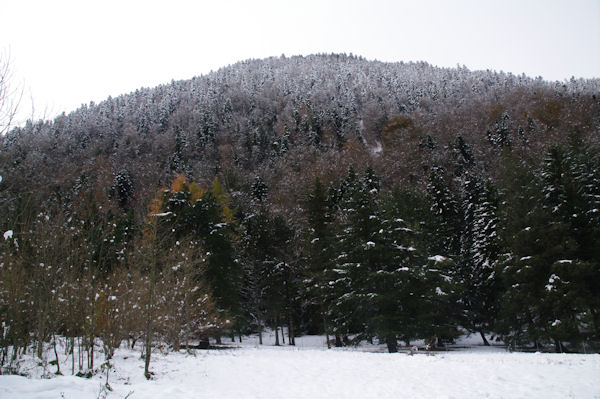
x=309, y=370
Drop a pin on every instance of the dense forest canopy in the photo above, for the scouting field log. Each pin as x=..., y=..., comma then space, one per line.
x=327, y=193
x=286, y=118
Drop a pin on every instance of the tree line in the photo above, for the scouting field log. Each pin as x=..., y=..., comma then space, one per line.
x=516, y=258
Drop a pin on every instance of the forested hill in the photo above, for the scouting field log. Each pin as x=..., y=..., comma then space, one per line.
x=289, y=119
x=328, y=193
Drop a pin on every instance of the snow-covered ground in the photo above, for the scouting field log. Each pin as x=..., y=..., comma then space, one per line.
x=309, y=370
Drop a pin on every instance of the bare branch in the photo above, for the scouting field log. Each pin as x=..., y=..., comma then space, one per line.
x=10, y=94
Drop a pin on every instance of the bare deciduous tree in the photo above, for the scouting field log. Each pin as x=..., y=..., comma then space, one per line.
x=10, y=94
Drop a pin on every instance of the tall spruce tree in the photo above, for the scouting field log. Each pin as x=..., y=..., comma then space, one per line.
x=475, y=265
x=384, y=284
x=320, y=250
x=522, y=269
x=358, y=226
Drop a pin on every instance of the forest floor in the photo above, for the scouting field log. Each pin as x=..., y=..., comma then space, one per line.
x=310, y=370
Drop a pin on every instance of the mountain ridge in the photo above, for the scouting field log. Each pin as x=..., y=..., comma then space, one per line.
x=254, y=114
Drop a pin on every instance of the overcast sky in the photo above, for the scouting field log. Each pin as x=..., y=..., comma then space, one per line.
x=72, y=52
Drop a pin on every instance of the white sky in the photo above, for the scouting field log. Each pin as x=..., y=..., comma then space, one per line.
x=72, y=52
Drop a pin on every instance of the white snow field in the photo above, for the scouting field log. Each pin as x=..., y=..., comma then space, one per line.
x=309, y=370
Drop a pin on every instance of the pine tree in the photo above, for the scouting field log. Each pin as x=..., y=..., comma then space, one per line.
x=320, y=249
x=358, y=225
x=544, y=271
x=259, y=189
x=522, y=222
x=432, y=294
x=570, y=197
x=462, y=154
x=586, y=173
x=445, y=224
x=501, y=133
x=122, y=188
x=479, y=253
x=382, y=278
x=268, y=271
x=399, y=292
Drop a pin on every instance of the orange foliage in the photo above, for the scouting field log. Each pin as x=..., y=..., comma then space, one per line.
x=179, y=184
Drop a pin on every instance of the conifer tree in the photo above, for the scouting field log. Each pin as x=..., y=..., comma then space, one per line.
x=320, y=250
x=382, y=277
x=445, y=222
x=475, y=269
x=358, y=225
x=523, y=222
x=269, y=275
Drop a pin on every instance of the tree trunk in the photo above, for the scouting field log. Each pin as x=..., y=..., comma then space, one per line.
x=92, y=353
x=392, y=344
x=326, y=331
x=80, y=354
x=148, y=349
x=56, y=355
x=72, y=355
x=276, y=334
x=148, y=338
x=204, y=342
x=558, y=346
x=291, y=335
x=92, y=327
x=595, y=321
x=485, y=341
x=338, y=341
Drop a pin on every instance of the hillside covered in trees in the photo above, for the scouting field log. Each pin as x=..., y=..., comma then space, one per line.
x=327, y=194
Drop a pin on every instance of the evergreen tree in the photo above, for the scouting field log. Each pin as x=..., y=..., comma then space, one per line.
x=475, y=268
x=399, y=293
x=320, y=250
x=358, y=226
x=434, y=291
x=122, y=188
x=548, y=279
x=259, y=189
x=445, y=220
x=501, y=133
x=462, y=154
x=268, y=272
x=571, y=197
x=384, y=285
x=522, y=223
